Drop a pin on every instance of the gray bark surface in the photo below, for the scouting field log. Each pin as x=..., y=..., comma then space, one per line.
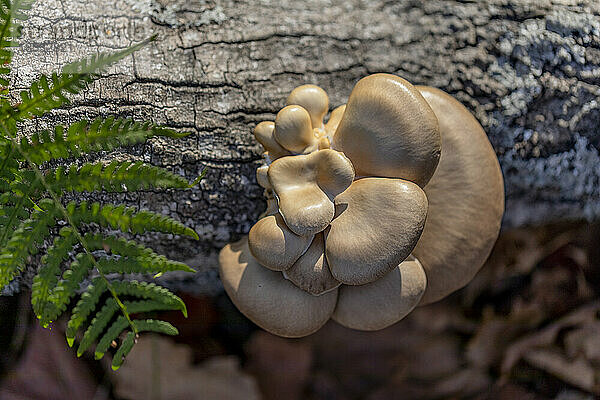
x=528, y=70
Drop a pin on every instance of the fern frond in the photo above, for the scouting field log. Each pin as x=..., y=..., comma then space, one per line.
x=156, y=298
x=116, y=177
x=85, y=306
x=47, y=276
x=8, y=163
x=50, y=297
x=106, y=314
x=49, y=92
x=31, y=206
x=11, y=16
x=150, y=291
x=125, y=348
x=24, y=241
x=84, y=137
x=126, y=219
x=148, y=325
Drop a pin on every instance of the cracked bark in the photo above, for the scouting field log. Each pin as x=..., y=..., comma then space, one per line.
x=529, y=71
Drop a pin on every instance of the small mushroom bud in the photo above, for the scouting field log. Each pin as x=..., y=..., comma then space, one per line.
x=384, y=302
x=314, y=100
x=267, y=298
x=305, y=186
x=293, y=130
x=264, y=135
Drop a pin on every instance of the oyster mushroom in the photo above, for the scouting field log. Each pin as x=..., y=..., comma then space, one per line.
x=384, y=302
x=365, y=252
x=389, y=130
x=274, y=245
x=378, y=223
x=264, y=135
x=305, y=186
x=262, y=178
x=293, y=130
x=334, y=120
x=267, y=298
x=314, y=100
x=466, y=200
x=311, y=272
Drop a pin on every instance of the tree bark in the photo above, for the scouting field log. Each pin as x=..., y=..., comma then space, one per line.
x=529, y=71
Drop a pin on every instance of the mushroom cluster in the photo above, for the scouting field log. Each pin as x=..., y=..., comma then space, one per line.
x=396, y=201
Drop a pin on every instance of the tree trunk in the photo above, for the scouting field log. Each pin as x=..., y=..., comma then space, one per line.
x=529, y=71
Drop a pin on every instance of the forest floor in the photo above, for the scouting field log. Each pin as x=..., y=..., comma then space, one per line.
x=527, y=327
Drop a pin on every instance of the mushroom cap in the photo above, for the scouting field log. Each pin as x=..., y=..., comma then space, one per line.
x=389, y=130
x=272, y=207
x=378, y=223
x=267, y=298
x=263, y=132
x=466, y=200
x=334, y=120
x=311, y=272
x=293, y=130
x=274, y=245
x=314, y=100
x=305, y=186
x=262, y=178
x=384, y=302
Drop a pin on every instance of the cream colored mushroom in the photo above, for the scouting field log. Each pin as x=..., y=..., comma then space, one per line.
x=305, y=186
x=272, y=207
x=466, y=200
x=378, y=223
x=311, y=272
x=274, y=245
x=293, y=130
x=262, y=177
x=314, y=100
x=264, y=135
x=384, y=302
x=267, y=298
x=389, y=130
x=334, y=120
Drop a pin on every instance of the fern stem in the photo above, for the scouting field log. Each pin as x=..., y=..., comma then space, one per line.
x=80, y=238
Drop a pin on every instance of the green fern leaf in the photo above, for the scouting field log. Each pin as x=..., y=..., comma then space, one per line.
x=124, y=176
x=47, y=276
x=105, y=315
x=49, y=92
x=126, y=219
x=24, y=241
x=124, y=349
x=31, y=198
x=149, y=325
x=84, y=137
x=11, y=16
